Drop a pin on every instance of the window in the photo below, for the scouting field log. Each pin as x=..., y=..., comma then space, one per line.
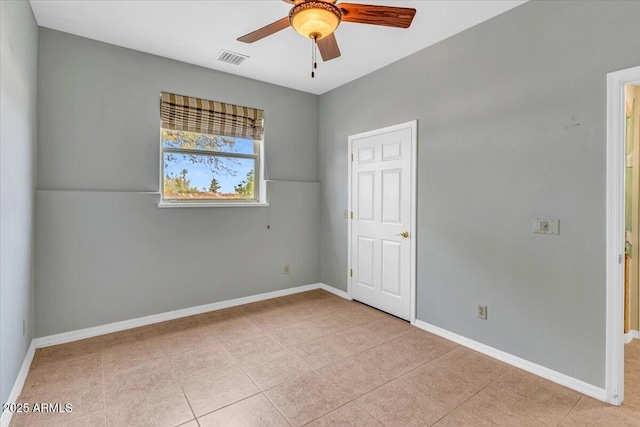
x=211, y=152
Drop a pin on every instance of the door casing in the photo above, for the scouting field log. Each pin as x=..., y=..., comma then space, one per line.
x=413, y=126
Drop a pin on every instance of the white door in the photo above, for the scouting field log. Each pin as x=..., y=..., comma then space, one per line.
x=381, y=228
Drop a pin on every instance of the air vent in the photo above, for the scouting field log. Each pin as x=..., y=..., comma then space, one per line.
x=231, y=57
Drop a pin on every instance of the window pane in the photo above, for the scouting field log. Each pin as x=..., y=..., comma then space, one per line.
x=205, y=142
x=194, y=176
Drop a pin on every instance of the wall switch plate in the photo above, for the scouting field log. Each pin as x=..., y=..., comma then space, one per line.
x=546, y=226
x=482, y=311
x=285, y=270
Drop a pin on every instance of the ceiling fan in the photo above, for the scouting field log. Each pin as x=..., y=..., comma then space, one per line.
x=318, y=19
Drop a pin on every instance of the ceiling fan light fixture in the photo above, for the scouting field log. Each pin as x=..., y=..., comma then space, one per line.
x=315, y=19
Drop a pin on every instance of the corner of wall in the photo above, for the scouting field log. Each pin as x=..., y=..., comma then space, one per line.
x=18, y=87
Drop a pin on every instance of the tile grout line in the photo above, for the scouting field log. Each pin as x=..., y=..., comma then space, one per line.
x=311, y=318
x=173, y=368
x=250, y=379
x=263, y=391
x=381, y=385
x=233, y=403
x=188, y=403
x=341, y=331
x=396, y=378
x=311, y=370
x=571, y=410
x=171, y=363
x=225, y=406
x=223, y=376
x=363, y=350
x=456, y=346
x=402, y=375
x=473, y=395
x=277, y=409
x=239, y=365
x=331, y=412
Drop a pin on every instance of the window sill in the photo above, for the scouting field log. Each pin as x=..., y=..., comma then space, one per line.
x=212, y=205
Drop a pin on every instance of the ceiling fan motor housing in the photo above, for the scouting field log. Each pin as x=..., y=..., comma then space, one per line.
x=315, y=19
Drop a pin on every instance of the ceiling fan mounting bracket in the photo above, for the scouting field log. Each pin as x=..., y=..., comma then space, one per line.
x=319, y=11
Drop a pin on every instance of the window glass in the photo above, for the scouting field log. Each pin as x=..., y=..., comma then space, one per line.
x=202, y=167
x=206, y=142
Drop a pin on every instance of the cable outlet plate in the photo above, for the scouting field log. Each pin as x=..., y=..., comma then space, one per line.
x=546, y=226
x=482, y=312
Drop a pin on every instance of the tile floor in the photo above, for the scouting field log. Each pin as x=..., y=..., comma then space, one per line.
x=306, y=359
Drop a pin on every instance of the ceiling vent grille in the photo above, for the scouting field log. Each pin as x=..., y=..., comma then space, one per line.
x=231, y=57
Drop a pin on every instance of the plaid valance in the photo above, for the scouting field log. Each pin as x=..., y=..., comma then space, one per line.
x=188, y=114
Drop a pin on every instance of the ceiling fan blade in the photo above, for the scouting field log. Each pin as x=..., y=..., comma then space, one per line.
x=399, y=17
x=265, y=31
x=329, y=47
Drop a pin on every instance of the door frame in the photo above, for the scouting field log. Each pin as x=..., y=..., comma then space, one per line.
x=615, y=194
x=413, y=126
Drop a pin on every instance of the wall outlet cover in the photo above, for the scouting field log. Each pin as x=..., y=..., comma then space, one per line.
x=482, y=311
x=546, y=226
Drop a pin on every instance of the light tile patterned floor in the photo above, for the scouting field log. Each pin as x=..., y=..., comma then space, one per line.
x=306, y=359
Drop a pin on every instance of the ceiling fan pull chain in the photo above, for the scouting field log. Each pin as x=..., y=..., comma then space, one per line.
x=315, y=53
x=313, y=59
x=314, y=64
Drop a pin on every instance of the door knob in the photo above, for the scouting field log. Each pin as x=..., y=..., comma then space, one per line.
x=404, y=234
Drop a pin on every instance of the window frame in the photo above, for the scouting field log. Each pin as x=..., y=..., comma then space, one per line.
x=259, y=186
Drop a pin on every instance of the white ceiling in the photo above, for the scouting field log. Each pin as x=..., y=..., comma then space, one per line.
x=195, y=31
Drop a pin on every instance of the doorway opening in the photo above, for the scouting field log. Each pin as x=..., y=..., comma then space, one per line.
x=632, y=211
x=621, y=235
x=632, y=246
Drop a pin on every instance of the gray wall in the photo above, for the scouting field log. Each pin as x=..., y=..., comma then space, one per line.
x=512, y=120
x=18, y=82
x=104, y=251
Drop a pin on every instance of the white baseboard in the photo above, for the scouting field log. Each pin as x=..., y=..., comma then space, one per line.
x=335, y=291
x=525, y=365
x=631, y=335
x=161, y=317
x=66, y=337
x=5, y=419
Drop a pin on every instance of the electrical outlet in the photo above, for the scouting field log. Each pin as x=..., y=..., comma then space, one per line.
x=285, y=270
x=24, y=326
x=482, y=311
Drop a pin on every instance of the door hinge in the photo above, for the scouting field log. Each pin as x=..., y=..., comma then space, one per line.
x=352, y=157
x=351, y=214
x=351, y=272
